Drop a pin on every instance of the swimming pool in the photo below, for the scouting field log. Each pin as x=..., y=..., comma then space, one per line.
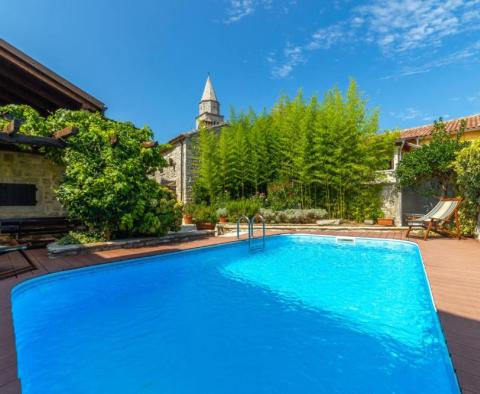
x=306, y=315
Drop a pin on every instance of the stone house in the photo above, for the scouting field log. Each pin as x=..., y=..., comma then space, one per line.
x=179, y=175
x=27, y=178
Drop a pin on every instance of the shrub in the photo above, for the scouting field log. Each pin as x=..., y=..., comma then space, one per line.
x=467, y=167
x=77, y=237
x=296, y=216
x=204, y=214
x=188, y=209
x=366, y=204
x=237, y=208
x=222, y=212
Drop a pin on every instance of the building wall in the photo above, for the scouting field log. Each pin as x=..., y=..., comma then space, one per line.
x=20, y=167
x=172, y=173
x=191, y=165
x=467, y=136
x=181, y=171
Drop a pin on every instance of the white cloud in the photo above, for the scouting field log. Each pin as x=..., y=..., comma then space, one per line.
x=401, y=25
x=471, y=53
x=411, y=113
x=239, y=9
x=395, y=27
x=292, y=56
x=475, y=98
x=323, y=38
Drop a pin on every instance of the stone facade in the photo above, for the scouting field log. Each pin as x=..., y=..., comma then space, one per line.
x=180, y=173
x=30, y=168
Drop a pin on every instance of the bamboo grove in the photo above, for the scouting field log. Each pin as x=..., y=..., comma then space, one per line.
x=322, y=154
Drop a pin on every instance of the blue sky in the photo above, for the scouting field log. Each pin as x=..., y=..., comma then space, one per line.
x=148, y=60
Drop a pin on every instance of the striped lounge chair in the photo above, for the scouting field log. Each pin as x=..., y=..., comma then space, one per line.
x=435, y=220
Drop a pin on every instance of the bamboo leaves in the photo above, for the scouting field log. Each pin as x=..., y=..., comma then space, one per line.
x=324, y=152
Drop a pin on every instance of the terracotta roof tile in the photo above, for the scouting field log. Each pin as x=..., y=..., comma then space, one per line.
x=452, y=126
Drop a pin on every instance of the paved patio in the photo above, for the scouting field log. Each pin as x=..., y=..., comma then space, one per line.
x=453, y=269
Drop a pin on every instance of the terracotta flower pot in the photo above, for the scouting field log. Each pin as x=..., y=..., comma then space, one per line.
x=385, y=221
x=187, y=219
x=223, y=219
x=205, y=226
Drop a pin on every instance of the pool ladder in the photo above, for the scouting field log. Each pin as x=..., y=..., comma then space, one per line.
x=251, y=236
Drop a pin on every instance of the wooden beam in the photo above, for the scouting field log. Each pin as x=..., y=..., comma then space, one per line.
x=415, y=146
x=149, y=144
x=13, y=127
x=6, y=138
x=65, y=133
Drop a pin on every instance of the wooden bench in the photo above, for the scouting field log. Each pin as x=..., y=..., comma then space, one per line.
x=34, y=228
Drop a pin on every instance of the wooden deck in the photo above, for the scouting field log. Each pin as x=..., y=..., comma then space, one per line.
x=453, y=269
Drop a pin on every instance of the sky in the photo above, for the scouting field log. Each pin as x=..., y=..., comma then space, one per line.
x=148, y=60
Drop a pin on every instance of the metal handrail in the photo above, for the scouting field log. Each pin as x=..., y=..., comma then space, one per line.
x=252, y=222
x=238, y=226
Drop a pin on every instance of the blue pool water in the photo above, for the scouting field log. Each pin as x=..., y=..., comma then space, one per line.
x=307, y=315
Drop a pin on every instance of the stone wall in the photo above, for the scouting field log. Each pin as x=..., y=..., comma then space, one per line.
x=29, y=168
x=191, y=165
x=391, y=203
x=171, y=175
x=180, y=172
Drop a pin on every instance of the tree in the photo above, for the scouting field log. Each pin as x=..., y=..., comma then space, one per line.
x=432, y=163
x=108, y=182
x=207, y=174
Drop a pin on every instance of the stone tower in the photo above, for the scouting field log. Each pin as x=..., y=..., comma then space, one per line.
x=208, y=108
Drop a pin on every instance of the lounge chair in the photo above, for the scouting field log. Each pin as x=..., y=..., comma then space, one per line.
x=437, y=218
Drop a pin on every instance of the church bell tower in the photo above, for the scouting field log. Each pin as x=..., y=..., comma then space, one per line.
x=208, y=108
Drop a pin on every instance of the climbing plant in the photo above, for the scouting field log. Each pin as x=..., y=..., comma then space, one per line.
x=109, y=166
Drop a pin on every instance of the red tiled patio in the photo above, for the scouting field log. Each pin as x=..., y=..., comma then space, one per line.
x=453, y=269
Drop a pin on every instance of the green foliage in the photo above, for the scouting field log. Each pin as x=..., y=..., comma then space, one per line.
x=106, y=185
x=204, y=214
x=77, y=237
x=188, y=209
x=222, y=212
x=432, y=163
x=284, y=195
x=301, y=154
x=247, y=207
x=297, y=216
x=366, y=204
x=467, y=168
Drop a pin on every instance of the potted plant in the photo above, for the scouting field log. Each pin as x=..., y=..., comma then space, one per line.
x=205, y=217
x=222, y=215
x=188, y=213
x=385, y=221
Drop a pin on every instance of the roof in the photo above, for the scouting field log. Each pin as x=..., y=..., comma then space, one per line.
x=25, y=81
x=185, y=135
x=451, y=126
x=208, y=91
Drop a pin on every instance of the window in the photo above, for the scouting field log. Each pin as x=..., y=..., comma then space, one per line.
x=17, y=194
